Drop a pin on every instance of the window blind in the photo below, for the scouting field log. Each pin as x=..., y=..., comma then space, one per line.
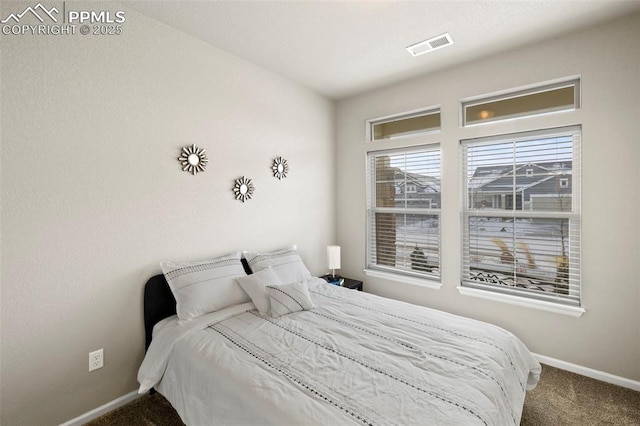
x=521, y=214
x=403, y=213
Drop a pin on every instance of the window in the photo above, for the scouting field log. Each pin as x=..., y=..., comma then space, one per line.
x=403, y=213
x=539, y=100
x=404, y=125
x=521, y=231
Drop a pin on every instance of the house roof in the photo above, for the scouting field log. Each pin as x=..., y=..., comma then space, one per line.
x=500, y=178
x=429, y=183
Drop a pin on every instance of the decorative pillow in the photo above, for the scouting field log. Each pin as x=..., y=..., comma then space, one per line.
x=286, y=263
x=288, y=298
x=256, y=287
x=205, y=286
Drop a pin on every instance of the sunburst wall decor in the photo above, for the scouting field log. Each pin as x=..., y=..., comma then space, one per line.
x=193, y=159
x=243, y=189
x=280, y=168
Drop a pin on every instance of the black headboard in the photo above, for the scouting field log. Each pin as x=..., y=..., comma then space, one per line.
x=159, y=302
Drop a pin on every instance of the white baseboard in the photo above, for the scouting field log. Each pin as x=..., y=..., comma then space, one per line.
x=103, y=409
x=589, y=372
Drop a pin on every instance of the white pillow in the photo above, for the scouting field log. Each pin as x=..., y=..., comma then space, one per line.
x=286, y=263
x=205, y=286
x=288, y=298
x=255, y=286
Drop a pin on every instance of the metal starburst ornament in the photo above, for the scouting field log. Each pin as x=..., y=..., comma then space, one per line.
x=193, y=159
x=280, y=168
x=243, y=189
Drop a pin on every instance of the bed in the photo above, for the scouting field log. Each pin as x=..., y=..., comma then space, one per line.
x=335, y=356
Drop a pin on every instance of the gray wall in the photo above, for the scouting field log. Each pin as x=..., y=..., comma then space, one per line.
x=607, y=336
x=93, y=196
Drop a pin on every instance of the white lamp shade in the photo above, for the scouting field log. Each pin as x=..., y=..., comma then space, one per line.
x=333, y=257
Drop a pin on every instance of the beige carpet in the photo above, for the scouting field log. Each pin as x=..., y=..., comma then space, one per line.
x=561, y=398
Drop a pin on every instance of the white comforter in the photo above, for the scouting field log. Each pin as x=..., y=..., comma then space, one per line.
x=354, y=359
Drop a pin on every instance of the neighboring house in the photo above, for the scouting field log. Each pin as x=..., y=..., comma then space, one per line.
x=530, y=186
x=417, y=190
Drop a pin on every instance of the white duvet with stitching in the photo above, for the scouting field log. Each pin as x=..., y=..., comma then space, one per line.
x=354, y=359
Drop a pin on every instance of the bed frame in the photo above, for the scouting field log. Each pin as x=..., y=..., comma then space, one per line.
x=159, y=302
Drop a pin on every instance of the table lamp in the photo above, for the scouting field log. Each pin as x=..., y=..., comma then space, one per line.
x=333, y=261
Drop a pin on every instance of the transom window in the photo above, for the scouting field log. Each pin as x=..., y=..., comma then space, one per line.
x=403, y=125
x=521, y=215
x=403, y=214
x=541, y=99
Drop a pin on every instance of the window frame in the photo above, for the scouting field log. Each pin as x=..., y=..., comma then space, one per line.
x=521, y=92
x=574, y=218
x=430, y=280
x=432, y=110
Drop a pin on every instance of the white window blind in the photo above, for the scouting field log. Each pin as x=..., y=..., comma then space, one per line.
x=403, y=214
x=521, y=214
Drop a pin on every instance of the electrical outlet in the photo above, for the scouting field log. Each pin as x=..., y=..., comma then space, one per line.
x=96, y=359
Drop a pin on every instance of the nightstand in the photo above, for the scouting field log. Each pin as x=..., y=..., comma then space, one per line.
x=348, y=283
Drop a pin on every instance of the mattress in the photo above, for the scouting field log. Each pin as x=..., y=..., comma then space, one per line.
x=355, y=358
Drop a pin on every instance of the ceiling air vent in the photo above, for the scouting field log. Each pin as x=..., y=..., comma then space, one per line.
x=430, y=45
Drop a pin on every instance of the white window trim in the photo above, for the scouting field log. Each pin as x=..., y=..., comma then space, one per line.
x=404, y=279
x=392, y=274
x=574, y=81
x=435, y=109
x=556, y=308
x=549, y=306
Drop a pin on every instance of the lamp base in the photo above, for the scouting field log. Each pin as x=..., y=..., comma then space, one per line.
x=334, y=279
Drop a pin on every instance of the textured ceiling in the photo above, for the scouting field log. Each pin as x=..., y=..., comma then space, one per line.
x=340, y=48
